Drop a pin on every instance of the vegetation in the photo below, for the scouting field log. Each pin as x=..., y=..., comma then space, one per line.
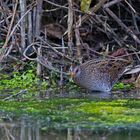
x=123, y=86
x=28, y=80
x=59, y=40
x=41, y=39
x=87, y=113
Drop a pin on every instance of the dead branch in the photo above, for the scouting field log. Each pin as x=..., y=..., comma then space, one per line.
x=23, y=23
x=70, y=24
x=124, y=27
x=109, y=4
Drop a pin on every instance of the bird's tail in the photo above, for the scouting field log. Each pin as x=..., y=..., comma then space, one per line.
x=132, y=69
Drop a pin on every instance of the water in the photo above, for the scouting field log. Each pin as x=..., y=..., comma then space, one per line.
x=26, y=129
x=133, y=94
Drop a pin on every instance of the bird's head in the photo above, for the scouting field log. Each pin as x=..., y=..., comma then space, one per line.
x=75, y=71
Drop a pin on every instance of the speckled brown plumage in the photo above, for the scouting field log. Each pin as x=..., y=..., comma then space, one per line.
x=99, y=75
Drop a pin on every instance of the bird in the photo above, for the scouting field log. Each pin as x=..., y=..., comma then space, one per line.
x=99, y=75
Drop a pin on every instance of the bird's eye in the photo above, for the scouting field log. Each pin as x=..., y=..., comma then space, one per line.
x=76, y=70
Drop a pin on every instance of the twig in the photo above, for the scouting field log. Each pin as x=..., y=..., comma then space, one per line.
x=28, y=47
x=124, y=27
x=78, y=43
x=48, y=65
x=23, y=23
x=93, y=10
x=11, y=24
x=55, y=50
x=39, y=67
x=8, y=34
x=15, y=95
x=107, y=30
x=57, y=5
x=41, y=59
x=70, y=25
x=90, y=13
x=130, y=6
x=38, y=17
x=111, y=3
x=134, y=17
x=11, y=33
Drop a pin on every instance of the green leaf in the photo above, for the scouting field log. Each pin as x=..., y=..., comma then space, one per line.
x=85, y=4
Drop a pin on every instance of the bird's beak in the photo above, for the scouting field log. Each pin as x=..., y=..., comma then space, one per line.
x=72, y=74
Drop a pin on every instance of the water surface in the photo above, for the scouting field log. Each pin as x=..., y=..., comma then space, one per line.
x=30, y=127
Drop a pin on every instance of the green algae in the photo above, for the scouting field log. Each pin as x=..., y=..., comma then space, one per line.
x=78, y=112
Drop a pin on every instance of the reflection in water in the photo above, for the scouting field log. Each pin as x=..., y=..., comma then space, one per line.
x=47, y=94
x=133, y=94
x=26, y=129
x=20, y=131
